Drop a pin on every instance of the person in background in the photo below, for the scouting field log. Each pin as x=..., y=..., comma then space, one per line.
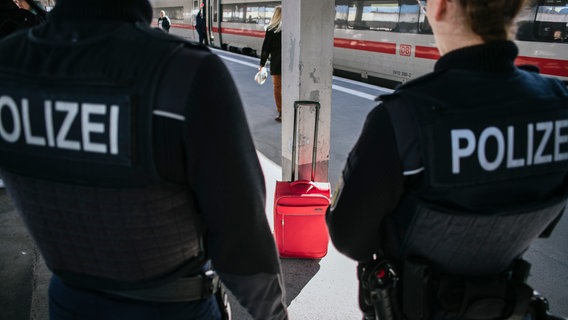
x=13, y=18
x=200, y=25
x=134, y=213
x=272, y=47
x=557, y=36
x=35, y=7
x=458, y=142
x=164, y=22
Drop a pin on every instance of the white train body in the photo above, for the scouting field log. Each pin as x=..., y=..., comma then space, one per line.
x=385, y=42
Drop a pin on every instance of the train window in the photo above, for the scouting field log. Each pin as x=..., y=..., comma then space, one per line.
x=386, y=15
x=409, y=17
x=257, y=13
x=233, y=13
x=551, y=23
x=423, y=24
x=525, y=23
x=215, y=10
x=174, y=13
x=382, y=15
x=268, y=13
x=253, y=14
x=341, y=14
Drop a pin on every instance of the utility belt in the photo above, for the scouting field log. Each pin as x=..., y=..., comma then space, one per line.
x=419, y=292
x=184, y=289
x=180, y=290
x=426, y=292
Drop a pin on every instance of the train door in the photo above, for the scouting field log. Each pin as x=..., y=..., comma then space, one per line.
x=213, y=23
x=194, y=9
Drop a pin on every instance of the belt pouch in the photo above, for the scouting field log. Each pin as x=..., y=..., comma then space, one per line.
x=416, y=289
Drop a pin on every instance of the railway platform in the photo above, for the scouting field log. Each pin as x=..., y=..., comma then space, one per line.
x=324, y=289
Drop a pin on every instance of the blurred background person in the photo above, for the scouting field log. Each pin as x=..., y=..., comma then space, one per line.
x=200, y=25
x=164, y=22
x=13, y=18
x=35, y=7
x=272, y=47
x=557, y=36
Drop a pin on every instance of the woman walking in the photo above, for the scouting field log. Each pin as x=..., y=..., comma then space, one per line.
x=272, y=46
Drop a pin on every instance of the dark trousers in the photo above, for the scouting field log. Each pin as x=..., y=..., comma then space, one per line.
x=203, y=37
x=67, y=303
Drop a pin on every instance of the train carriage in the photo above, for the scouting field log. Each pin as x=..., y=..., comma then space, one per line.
x=385, y=42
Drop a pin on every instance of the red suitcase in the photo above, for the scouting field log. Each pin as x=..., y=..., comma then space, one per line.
x=300, y=206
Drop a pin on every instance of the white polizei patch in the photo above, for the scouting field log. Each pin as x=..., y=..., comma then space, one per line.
x=169, y=115
x=18, y=125
x=466, y=143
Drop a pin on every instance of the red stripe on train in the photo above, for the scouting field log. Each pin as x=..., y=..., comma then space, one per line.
x=373, y=46
x=183, y=26
x=553, y=67
x=426, y=52
x=242, y=32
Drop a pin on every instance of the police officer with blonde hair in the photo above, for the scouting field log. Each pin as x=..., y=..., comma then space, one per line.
x=454, y=174
x=102, y=146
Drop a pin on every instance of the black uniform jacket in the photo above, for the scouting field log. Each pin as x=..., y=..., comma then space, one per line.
x=213, y=154
x=272, y=47
x=385, y=167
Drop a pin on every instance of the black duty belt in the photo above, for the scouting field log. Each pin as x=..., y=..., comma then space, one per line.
x=180, y=290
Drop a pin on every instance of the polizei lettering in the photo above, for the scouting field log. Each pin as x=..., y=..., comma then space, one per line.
x=65, y=125
x=513, y=146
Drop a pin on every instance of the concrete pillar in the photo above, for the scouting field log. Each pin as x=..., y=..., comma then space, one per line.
x=307, y=69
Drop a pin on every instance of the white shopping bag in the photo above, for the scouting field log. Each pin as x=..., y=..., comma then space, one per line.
x=261, y=76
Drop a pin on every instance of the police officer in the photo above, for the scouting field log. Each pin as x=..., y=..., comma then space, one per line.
x=35, y=7
x=200, y=24
x=477, y=136
x=132, y=172
x=13, y=18
x=164, y=21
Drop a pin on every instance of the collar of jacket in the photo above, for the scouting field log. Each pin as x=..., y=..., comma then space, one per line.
x=125, y=10
x=498, y=56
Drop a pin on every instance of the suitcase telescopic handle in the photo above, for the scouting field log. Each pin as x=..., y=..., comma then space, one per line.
x=297, y=105
x=304, y=183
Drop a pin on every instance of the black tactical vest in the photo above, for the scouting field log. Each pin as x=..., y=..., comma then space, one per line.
x=493, y=176
x=76, y=138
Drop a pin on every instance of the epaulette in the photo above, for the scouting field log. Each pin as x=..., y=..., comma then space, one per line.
x=422, y=79
x=432, y=76
x=529, y=68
